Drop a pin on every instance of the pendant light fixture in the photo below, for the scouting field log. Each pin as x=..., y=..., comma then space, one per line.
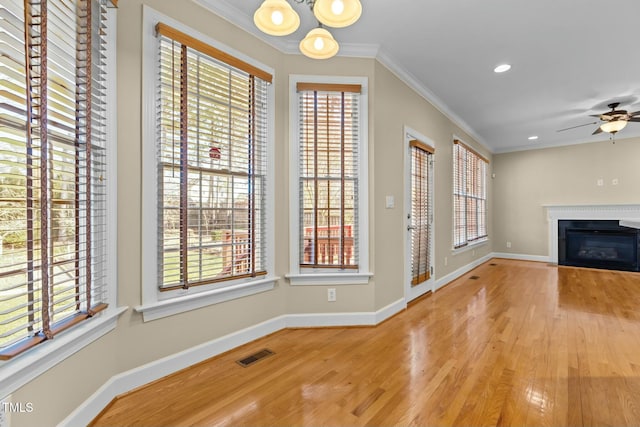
x=277, y=18
x=319, y=44
x=337, y=13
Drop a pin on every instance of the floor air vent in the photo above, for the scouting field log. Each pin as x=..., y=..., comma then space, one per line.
x=474, y=277
x=249, y=360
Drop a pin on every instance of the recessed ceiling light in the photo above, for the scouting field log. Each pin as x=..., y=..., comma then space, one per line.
x=533, y=138
x=502, y=68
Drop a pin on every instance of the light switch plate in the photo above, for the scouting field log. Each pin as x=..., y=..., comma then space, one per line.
x=390, y=202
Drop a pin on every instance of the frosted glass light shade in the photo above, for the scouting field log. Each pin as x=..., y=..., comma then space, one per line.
x=319, y=44
x=337, y=13
x=613, y=127
x=276, y=18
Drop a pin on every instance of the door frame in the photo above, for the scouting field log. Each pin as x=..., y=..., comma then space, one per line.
x=413, y=292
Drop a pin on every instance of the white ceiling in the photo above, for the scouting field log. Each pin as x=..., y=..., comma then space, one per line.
x=570, y=59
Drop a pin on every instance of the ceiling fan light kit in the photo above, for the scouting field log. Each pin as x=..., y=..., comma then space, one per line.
x=614, y=120
x=614, y=126
x=277, y=18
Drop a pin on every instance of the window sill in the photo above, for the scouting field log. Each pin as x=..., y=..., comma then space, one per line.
x=473, y=245
x=20, y=370
x=313, y=279
x=181, y=304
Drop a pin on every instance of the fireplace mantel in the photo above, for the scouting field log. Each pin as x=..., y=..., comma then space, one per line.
x=628, y=213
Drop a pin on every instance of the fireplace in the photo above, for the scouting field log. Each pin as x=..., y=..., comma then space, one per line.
x=598, y=244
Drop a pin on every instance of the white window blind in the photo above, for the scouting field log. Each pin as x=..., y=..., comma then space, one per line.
x=52, y=168
x=211, y=151
x=469, y=195
x=328, y=171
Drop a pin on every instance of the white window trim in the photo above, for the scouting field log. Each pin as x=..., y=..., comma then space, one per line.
x=156, y=304
x=17, y=372
x=470, y=246
x=318, y=276
x=476, y=243
x=413, y=292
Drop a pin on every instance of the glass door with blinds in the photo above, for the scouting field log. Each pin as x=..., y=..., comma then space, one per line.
x=420, y=216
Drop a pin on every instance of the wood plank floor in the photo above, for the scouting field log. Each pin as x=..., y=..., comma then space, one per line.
x=523, y=344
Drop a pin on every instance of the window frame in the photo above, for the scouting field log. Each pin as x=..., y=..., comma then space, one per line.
x=156, y=303
x=468, y=245
x=328, y=276
x=20, y=370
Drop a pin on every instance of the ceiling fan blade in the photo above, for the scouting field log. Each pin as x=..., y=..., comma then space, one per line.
x=595, y=115
x=579, y=126
x=634, y=119
x=597, y=131
x=637, y=113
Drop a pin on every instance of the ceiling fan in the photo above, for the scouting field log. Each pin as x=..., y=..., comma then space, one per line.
x=614, y=120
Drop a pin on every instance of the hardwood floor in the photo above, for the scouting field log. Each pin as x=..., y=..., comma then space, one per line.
x=523, y=344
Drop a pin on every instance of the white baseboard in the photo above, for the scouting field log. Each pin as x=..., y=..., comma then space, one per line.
x=144, y=374
x=137, y=377
x=521, y=257
x=315, y=320
x=149, y=372
x=462, y=270
x=390, y=310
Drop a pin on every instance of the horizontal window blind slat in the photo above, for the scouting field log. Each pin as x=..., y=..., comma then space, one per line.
x=470, y=149
x=328, y=166
x=75, y=221
x=196, y=44
x=209, y=145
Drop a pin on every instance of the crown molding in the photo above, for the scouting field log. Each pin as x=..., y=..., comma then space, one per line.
x=347, y=50
x=239, y=18
x=392, y=65
x=558, y=144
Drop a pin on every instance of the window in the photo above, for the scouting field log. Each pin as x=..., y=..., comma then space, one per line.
x=330, y=154
x=211, y=166
x=53, y=169
x=209, y=157
x=469, y=195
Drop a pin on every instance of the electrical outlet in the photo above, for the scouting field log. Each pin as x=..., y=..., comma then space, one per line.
x=331, y=294
x=508, y=244
x=614, y=181
x=4, y=412
x=600, y=182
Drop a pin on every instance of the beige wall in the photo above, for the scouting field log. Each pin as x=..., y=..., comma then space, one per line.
x=313, y=299
x=527, y=180
x=398, y=106
x=391, y=106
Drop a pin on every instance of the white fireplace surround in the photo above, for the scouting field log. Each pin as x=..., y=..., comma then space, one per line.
x=628, y=215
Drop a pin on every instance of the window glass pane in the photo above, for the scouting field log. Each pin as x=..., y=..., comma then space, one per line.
x=52, y=235
x=328, y=178
x=469, y=200
x=213, y=155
